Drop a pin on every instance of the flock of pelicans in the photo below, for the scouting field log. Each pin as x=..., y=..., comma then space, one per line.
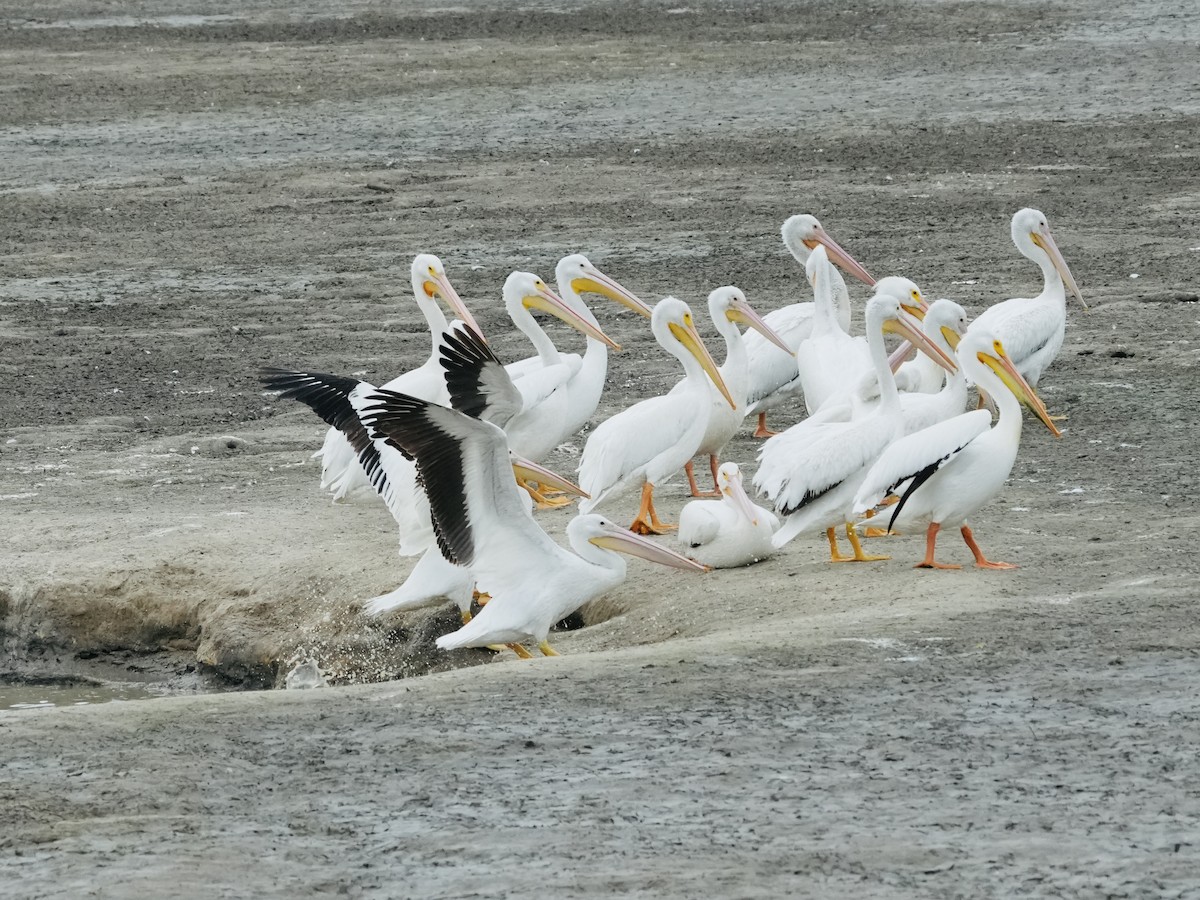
x=887, y=439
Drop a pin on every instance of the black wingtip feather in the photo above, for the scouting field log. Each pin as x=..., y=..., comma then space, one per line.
x=406, y=423
x=464, y=355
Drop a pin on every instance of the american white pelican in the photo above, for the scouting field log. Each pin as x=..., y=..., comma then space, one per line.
x=479, y=521
x=773, y=378
x=811, y=473
x=947, y=472
x=1032, y=328
x=340, y=471
x=650, y=441
x=537, y=426
x=728, y=307
x=729, y=532
x=339, y=401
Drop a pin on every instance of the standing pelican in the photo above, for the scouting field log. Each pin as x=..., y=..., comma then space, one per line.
x=650, y=441
x=728, y=307
x=479, y=522
x=1032, y=328
x=729, y=532
x=773, y=376
x=340, y=471
x=947, y=472
x=811, y=473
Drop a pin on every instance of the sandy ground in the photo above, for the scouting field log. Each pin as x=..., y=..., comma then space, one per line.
x=188, y=197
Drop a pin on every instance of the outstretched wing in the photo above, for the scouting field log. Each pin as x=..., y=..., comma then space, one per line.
x=478, y=383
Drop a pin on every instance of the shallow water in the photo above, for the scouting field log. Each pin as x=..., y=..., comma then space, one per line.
x=46, y=696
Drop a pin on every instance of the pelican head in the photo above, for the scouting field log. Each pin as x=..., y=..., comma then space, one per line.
x=988, y=349
x=729, y=481
x=1031, y=234
x=906, y=291
x=675, y=330
x=429, y=280
x=524, y=291
x=584, y=278
x=599, y=531
x=949, y=318
x=890, y=311
x=803, y=233
x=731, y=303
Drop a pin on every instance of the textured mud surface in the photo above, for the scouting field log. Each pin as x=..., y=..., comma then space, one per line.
x=188, y=197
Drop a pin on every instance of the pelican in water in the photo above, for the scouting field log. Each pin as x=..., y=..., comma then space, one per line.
x=1032, y=328
x=479, y=521
x=732, y=531
x=773, y=376
x=947, y=472
x=650, y=441
x=338, y=400
x=728, y=308
x=340, y=471
x=812, y=472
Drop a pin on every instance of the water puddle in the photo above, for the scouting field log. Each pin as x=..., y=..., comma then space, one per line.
x=26, y=696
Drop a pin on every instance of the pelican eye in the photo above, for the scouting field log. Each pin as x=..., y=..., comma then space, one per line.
x=998, y=347
x=433, y=271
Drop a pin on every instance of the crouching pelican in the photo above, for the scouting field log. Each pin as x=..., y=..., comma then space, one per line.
x=479, y=520
x=950, y=470
x=729, y=532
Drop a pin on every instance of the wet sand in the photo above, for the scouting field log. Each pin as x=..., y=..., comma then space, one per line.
x=188, y=198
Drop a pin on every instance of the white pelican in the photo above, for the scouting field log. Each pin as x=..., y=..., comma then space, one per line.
x=537, y=426
x=650, y=441
x=479, y=520
x=811, y=473
x=340, y=472
x=1032, y=328
x=947, y=472
x=729, y=532
x=773, y=373
x=339, y=401
x=728, y=307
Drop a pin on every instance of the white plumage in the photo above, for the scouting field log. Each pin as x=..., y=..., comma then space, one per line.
x=1032, y=328
x=731, y=531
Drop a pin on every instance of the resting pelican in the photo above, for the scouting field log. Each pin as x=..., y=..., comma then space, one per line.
x=477, y=515
x=650, y=441
x=728, y=308
x=811, y=473
x=1032, y=328
x=946, y=473
x=729, y=532
x=340, y=471
x=338, y=401
x=773, y=373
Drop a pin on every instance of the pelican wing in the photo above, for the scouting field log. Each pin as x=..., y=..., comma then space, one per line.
x=463, y=465
x=699, y=523
x=912, y=460
x=478, y=383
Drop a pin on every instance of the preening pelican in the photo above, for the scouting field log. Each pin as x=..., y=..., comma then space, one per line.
x=729, y=532
x=812, y=473
x=728, y=308
x=945, y=473
x=338, y=401
x=1032, y=328
x=773, y=376
x=650, y=441
x=479, y=521
x=340, y=471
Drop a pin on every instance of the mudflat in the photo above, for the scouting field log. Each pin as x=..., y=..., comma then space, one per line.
x=190, y=197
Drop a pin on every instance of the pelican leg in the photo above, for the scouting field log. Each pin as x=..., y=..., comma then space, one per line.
x=930, y=542
x=872, y=531
x=762, y=431
x=547, y=650
x=543, y=501
x=714, y=466
x=981, y=561
x=859, y=555
x=690, y=471
x=647, y=521
x=835, y=553
x=520, y=650
x=466, y=616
